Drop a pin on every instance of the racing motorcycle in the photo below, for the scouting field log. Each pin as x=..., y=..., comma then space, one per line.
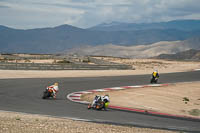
x=99, y=105
x=48, y=93
x=154, y=80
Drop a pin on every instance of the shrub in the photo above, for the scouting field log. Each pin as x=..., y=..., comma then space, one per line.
x=195, y=112
x=63, y=61
x=186, y=100
x=17, y=118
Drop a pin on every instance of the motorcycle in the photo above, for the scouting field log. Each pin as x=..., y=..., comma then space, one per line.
x=99, y=105
x=154, y=80
x=48, y=93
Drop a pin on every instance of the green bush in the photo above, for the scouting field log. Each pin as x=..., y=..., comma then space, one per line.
x=17, y=118
x=186, y=100
x=63, y=61
x=195, y=112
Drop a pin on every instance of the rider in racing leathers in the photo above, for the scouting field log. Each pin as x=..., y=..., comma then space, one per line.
x=105, y=98
x=54, y=89
x=97, y=98
x=155, y=74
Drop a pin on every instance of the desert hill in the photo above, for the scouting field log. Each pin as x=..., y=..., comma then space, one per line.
x=191, y=54
x=140, y=51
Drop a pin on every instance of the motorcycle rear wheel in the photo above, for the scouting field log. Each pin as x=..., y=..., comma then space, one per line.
x=46, y=95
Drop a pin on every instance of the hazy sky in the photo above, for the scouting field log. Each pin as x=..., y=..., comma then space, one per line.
x=86, y=13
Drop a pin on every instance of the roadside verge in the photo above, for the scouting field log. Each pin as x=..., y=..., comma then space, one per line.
x=76, y=97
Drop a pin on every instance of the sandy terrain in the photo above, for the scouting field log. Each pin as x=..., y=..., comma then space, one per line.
x=23, y=123
x=145, y=66
x=169, y=99
x=142, y=66
x=14, y=122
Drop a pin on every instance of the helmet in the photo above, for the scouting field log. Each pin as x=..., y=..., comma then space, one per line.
x=97, y=96
x=56, y=84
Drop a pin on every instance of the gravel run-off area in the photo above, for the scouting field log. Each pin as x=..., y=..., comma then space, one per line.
x=12, y=122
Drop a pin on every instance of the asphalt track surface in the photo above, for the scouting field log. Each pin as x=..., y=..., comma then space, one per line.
x=24, y=95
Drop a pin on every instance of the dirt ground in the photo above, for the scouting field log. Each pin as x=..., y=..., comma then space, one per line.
x=15, y=122
x=145, y=66
x=142, y=66
x=178, y=99
x=11, y=122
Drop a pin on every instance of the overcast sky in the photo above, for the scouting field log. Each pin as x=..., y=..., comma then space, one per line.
x=26, y=14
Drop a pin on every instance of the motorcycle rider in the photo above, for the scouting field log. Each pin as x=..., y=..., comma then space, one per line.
x=155, y=74
x=155, y=77
x=54, y=89
x=97, y=99
x=106, y=100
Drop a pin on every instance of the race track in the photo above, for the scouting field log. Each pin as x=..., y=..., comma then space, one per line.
x=24, y=95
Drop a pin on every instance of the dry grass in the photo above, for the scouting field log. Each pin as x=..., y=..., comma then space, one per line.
x=24, y=123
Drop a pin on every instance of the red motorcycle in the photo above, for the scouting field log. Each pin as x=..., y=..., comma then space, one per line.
x=48, y=93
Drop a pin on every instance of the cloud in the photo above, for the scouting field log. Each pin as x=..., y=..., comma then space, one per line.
x=4, y=6
x=86, y=13
x=28, y=15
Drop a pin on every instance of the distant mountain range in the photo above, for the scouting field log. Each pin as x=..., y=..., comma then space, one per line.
x=184, y=25
x=65, y=37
